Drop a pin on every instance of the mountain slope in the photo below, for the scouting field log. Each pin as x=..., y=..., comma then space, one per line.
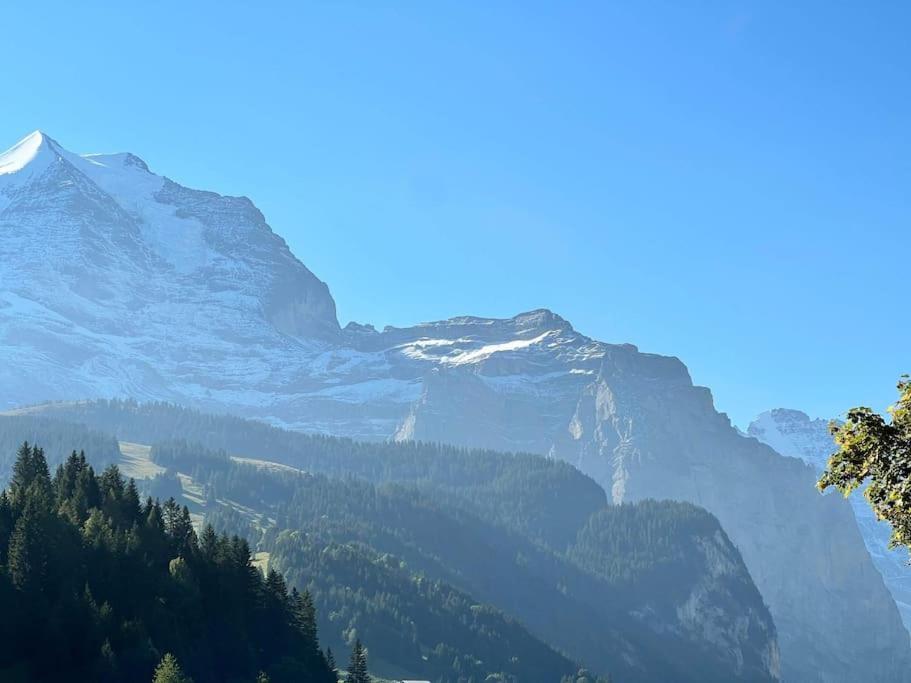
x=793, y=433
x=650, y=592
x=414, y=627
x=640, y=428
x=101, y=262
x=193, y=299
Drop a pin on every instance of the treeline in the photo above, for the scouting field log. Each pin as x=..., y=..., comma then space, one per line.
x=557, y=500
x=98, y=586
x=321, y=533
x=420, y=524
x=407, y=541
x=58, y=439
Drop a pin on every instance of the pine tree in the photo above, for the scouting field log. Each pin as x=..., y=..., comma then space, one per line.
x=131, y=505
x=22, y=474
x=169, y=671
x=304, y=613
x=30, y=542
x=357, y=668
x=208, y=543
x=112, y=487
x=179, y=527
x=30, y=472
x=277, y=588
x=90, y=585
x=27, y=555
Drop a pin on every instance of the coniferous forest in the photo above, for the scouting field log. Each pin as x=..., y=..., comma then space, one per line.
x=98, y=585
x=449, y=564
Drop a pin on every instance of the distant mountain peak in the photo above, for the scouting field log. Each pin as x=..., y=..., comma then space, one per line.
x=793, y=433
x=35, y=145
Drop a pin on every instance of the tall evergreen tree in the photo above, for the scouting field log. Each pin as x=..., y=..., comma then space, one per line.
x=330, y=662
x=30, y=470
x=357, y=667
x=208, y=543
x=304, y=615
x=169, y=671
x=28, y=553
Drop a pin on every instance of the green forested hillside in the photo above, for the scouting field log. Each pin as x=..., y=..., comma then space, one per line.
x=432, y=529
x=415, y=626
x=583, y=612
x=97, y=586
x=557, y=499
x=412, y=623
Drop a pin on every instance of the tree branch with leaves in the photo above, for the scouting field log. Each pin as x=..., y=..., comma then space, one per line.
x=875, y=451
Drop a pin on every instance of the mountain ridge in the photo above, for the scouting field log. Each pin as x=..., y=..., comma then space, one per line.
x=193, y=299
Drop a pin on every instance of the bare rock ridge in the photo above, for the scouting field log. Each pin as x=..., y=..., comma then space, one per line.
x=116, y=282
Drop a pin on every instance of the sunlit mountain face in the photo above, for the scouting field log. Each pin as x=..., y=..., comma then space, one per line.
x=117, y=282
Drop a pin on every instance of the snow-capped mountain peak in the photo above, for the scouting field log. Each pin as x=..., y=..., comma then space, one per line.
x=27, y=159
x=34, y=146
x=795, y=434
x=102, y=261
x=39, y=148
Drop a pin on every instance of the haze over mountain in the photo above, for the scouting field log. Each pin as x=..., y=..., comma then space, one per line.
x=428, y=551
x=115, y=281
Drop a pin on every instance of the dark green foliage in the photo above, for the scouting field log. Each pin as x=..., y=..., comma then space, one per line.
x=357, y=666
x=385, y=539
x=424, y=626
x=96, y=585
x=58, y=439
x=637, y=546
x=165, y=485
x=557, y=499
x=439, y=544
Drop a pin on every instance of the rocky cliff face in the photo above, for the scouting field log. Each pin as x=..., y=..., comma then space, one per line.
x=640, y=428
x=117, y=282
x=793, y=433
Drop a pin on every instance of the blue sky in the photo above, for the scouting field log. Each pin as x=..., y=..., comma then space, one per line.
x=722, y=181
